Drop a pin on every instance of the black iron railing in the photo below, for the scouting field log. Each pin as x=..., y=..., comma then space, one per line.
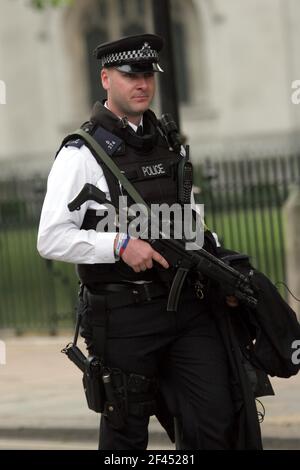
x=243, y=204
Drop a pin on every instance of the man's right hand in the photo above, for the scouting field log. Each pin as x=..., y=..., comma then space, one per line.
x=139, y=255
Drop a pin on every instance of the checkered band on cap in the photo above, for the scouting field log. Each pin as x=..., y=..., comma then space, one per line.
x=144, y=53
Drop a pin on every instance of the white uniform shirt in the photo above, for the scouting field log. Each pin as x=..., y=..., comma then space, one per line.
x=59, y=235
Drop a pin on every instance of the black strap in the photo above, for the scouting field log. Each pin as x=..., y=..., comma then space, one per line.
x=78, y=316
x=98, y=312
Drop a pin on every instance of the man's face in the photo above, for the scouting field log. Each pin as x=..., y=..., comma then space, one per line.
x=128, y=94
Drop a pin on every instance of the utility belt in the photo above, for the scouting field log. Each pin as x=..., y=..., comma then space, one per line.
x=132, y=293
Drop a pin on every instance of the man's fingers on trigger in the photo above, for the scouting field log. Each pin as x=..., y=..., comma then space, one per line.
x=160, y=259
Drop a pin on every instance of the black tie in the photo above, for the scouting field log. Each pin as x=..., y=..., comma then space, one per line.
x=139, y=131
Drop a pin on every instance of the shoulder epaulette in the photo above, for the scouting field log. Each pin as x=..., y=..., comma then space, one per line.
x=108, y=141
x=78, y=143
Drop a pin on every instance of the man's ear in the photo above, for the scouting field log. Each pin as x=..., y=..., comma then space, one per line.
x=105, y=79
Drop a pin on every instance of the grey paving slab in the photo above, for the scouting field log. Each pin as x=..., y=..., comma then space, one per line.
x=42, y=396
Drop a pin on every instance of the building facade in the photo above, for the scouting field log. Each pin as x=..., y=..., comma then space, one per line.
x=235, y=62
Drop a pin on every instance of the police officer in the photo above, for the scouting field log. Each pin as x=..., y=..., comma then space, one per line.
x=175, y=355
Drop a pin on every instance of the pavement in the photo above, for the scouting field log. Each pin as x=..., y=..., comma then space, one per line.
x=43, y=404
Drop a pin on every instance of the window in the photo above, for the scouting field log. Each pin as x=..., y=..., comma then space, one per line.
x=93, y=38
x=105, y=20
x=109, y=20
x=180, y=53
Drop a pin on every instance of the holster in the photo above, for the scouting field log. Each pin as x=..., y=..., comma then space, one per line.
x=108, y=391
x=93, y=384
x=100, y=393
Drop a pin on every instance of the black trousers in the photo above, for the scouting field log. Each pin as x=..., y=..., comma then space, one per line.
x=185, y=351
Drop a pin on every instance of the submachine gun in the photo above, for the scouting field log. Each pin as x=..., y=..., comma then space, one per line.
x=183, y=261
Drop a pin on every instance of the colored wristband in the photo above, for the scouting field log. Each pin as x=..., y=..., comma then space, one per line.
x=122, y=242
x=124, y=245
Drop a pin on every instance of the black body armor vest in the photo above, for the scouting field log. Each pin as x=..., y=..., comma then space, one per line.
x=149, y=165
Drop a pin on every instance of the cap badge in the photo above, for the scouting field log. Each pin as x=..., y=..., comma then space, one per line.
x=146, y=50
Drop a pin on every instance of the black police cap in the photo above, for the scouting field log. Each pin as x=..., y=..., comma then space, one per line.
x=132, y=54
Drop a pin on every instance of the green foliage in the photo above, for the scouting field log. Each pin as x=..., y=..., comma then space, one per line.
x=12, y=211
x=35, y=293
x=40, y=4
